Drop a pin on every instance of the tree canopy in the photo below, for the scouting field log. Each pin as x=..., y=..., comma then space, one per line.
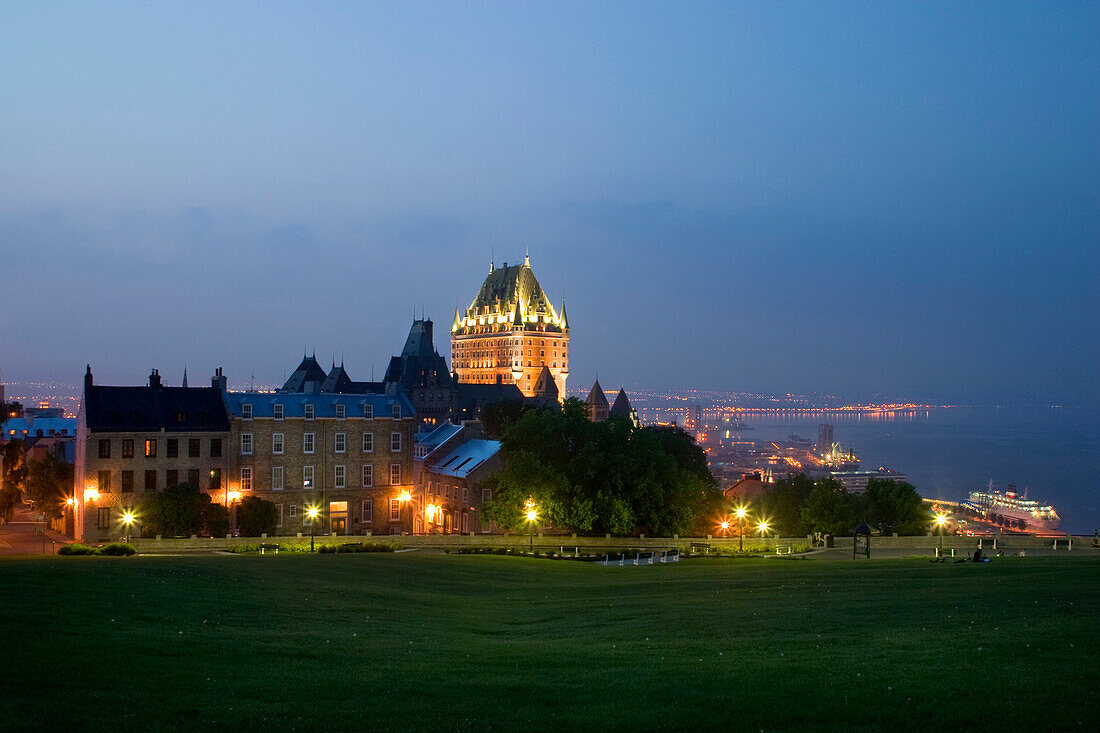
x=596, y=478
x=49, y=482
x=182, y=510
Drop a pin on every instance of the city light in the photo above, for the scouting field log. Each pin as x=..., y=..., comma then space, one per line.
x=404, y=496
x=234, y=495
x=70, y=501
x=741, y=512
x=91, y=494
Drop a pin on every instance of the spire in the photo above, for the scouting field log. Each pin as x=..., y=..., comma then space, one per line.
x=457, y=322
x=564, y=320
x=184, y=376
x=527, y=257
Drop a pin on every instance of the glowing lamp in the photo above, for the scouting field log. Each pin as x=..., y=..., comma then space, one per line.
x=404, y=496
x=91, y=494
x=70, y=501
x=312, y=512
x=725, y=525
x=234, y=495
x=128, y=516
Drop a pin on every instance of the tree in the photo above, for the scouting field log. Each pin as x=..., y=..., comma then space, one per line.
x=781, y=504
x=894, y=506
x=256, y=516
x=15, y=475
x=602, y=477
x=496, y=417
x=181, y=510
x=830, y=508
x=49, y=483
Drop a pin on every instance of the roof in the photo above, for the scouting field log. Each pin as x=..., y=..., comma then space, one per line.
x=172, y=409
x=622, y=407
x=437, y=437
x=324, y=405
x=596, y=396
x=513, y=292
x=419, y=365
x=545, y=386
x=464, y=459
x=18, y=427
x=470, y=398
x=308, y=372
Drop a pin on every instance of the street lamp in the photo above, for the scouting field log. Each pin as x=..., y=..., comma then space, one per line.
x=531, y=511
x=941, y=520
x=128, y=519
x=763, y=526
x=312, y=513
x=741, y=512
x=403, y=498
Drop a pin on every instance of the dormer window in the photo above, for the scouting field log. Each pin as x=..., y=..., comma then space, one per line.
x=397, y=412
x=309, y=412
x=368, y=412
x=246, y=411
x=278, y=410
x=340, y=412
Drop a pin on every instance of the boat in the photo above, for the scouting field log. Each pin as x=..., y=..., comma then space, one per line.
x=1013, y=511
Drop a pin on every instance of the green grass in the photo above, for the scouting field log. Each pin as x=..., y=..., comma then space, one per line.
x=446, y=642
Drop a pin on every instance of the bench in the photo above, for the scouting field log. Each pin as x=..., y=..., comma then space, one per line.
x=265, y=547
x=784, y=550
x=700, y=548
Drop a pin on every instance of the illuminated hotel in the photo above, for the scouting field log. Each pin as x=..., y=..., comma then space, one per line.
x=511, y=334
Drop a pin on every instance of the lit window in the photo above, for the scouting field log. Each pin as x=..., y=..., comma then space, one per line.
x=150, y=449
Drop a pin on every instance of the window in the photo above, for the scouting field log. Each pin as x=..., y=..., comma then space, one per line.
x=465, y=495
x=368, y=442
x=172, y=448
x=280, y=506
x=246, y=478
x=307, y=442
x=215, y=448
x=395, y=510
x=171, y=477
x=104, y=478
x=340, y=441
x=150, y=481
x=338, y=477
x=193, y=477
x=309, y=412
x=486, y=495
x=368, y=511
x=277, y=443
x=340, y=413
x=104, y=448
x=395, y=474
x=127, y=447
x=215, y=479
x=278, y=410
x=246, y=411
x=103, y=518
x=127, y=482
x=368, y=412
x=396, y=412
x=368, y=475
x=395, y=442
x=246, y=444
x=150, y=448
x=276, y=478
x=193, y=448
x=292, y=510
x=307, y=477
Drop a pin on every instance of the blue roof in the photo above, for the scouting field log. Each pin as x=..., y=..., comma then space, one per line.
x=437, y=437
x=465, y=458
x=324, y=404
x=20, y=427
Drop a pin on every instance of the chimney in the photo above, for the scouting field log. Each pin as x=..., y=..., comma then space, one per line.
x=88, y=377
x=154, y=378
x=218, y=381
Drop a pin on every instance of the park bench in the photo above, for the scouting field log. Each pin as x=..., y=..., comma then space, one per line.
x=269, y=547
x=569, y=551
x=784, y=550
x=700, y=548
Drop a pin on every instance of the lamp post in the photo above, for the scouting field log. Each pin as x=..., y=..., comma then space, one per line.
x=531, y=511
x=128, y=520
x=941, y=520
x=404, y=498
x=763, y=530
x=741, y=528
x=312, y=513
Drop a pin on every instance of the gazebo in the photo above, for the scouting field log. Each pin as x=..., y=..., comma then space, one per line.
x=861, y=541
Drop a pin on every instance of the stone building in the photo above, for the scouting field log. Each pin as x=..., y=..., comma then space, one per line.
x=450, y=465
x=133, y=440
x=421, y=373
x=510, y=332
x=348, y=455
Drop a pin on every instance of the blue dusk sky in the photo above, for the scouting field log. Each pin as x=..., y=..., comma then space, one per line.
x=892, y=200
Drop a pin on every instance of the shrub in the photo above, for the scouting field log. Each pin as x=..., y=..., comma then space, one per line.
x=75, y=548
x=117, y=549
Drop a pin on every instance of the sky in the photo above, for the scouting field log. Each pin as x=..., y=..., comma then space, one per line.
x=871, y=200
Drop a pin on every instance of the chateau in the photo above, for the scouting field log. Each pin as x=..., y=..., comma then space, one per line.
x=511, y=334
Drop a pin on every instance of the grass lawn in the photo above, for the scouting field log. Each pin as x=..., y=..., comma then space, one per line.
x=421, y=640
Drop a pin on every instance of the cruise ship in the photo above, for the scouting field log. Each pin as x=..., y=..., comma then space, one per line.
x=1027, y=514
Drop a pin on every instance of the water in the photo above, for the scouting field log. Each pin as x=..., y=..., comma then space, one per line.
x=947, y=452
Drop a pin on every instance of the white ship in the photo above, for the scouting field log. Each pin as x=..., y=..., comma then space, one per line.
x=1013, y=511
